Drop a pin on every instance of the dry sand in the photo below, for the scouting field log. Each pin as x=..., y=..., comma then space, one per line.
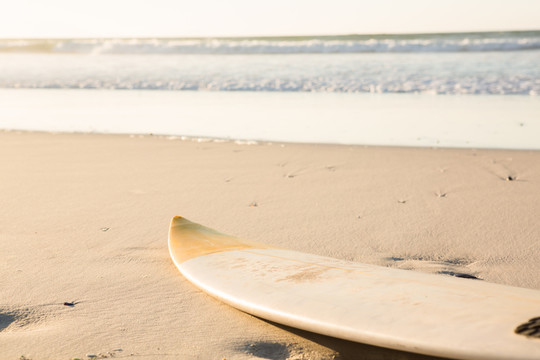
x=84, y=219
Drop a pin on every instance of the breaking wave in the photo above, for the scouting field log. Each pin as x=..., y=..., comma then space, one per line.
x=462, y=42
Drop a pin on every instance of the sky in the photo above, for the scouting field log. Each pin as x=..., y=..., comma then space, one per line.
x=214, y=18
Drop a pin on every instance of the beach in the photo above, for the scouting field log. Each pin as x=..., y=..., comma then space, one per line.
x=85, y=218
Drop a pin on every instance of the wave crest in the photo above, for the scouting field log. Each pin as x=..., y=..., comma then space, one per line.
x=473, y=42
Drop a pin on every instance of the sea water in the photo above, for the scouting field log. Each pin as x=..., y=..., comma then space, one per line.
x=467, y=89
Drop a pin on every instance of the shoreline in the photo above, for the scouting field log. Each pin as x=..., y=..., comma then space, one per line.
x=85, y=220
x=218, y=140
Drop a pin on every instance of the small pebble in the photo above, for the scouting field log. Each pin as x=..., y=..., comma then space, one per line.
x=105, y=229
x=91, y=356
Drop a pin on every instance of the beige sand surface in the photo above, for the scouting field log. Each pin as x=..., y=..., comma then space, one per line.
x=84, y=218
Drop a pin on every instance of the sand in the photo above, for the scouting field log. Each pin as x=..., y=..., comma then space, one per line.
x=84, y=220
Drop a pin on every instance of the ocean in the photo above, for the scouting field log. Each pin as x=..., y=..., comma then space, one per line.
x=354, y=81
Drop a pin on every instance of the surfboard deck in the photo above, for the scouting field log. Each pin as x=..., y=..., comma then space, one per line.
x=397, y=309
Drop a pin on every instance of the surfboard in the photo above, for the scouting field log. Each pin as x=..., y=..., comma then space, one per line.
x=398, y=309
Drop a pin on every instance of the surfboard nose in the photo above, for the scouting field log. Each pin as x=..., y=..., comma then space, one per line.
x=188, y=240
x=179, y=220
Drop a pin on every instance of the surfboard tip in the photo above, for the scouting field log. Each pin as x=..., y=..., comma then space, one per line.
x=188, y=240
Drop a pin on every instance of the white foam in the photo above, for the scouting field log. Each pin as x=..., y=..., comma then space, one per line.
x=476, y=63
x=500, y=73
x=216, y=46
x=467, y=42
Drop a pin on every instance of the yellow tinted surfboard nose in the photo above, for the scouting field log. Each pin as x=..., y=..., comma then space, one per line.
x=189, y=240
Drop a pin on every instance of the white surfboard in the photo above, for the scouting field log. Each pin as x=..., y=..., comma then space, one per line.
x=398, y=309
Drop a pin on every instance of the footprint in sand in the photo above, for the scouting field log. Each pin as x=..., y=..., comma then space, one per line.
x=286, y=351
x=13, y=320
x=459, y=275
x=502, y=171
x=266, y=350
x=450, y=267
x=28, y=317
x=440, y=194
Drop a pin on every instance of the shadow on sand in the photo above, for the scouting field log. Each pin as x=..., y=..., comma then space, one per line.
x=347, y=350
x=6, y=320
